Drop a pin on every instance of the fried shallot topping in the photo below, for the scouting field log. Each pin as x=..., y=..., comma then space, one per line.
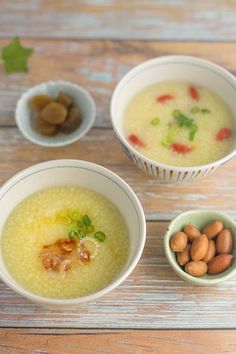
x=59, y=256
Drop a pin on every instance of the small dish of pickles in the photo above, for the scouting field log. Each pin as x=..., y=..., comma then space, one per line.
x=55, y=113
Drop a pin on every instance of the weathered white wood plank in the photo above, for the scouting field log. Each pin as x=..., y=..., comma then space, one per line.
x=160, y=202
x=96, y=65
x=152, y=297
x=149, y=19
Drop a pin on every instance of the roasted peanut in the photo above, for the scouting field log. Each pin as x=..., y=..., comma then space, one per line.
x=183, y=257
x=199, y=248
x=210, y=252
x=192, y=232
x=196, y=268
x=220, y=263
x=224, y=242
x=213, y=229
x=179, y=242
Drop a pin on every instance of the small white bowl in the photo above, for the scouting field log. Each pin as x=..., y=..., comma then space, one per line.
x=177, y=67
x=199, y=218
x=87, y=175
x=24, y=114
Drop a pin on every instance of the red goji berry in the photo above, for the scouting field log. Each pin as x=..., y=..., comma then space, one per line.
x=134, y=139
x=181, y=148
x=165, y=98
x=223, y=133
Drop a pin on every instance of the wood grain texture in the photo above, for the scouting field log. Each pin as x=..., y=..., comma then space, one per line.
x=160, y=201
x=152, y=297
x=53, y=341
x=96, y=65
x=120, y=19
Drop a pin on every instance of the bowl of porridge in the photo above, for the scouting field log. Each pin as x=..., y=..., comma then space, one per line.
x=175, y=117
x=65, y=239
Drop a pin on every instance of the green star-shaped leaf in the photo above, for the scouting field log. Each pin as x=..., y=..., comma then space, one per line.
x=15, y=57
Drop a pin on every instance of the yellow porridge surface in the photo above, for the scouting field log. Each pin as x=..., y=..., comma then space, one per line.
x=51, y=215
x=179, y=124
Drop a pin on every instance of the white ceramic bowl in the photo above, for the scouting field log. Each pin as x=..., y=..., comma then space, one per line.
x=199, y=218
x=25, y=116
x=84, y=174
x=196, y=70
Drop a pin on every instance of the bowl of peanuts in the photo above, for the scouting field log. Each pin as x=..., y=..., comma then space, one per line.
x=200, y=246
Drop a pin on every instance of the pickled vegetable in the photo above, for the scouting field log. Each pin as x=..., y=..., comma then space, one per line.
x=64, y=99
x=72, y=122
x=39, y=102
x=54, y=113
x=45, y=128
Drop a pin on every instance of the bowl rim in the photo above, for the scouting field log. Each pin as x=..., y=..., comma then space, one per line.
x=115, y=179
x=181, y=59
x=178, y=270
x=68, y=139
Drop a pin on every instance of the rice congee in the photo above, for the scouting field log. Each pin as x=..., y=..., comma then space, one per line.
x=65, y=242
x=179, y=124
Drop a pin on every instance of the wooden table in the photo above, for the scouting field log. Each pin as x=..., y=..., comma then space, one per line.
x=94, y=43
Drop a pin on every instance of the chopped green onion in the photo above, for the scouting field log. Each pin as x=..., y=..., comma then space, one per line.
x=100, y=236
x=89, y=229
x=81, y=234
x=86, y=220
x=80, y=224
x=182, y=120
x=176, y=113
x=205, y=110
x=195, y=110
x=172, y=134
x=165, y=144
x=155, y=121
x=170, y=137
x=72, y=234
x=192, y=132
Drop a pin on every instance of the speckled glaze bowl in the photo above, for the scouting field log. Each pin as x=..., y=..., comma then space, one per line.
x=25, y=116
x=177, y=67
x=87, y=175
x=199, y=218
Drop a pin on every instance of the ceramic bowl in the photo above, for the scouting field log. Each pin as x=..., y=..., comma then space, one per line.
x=25, y=116
x=196, y=70
x=84, y=174
x=199, y=218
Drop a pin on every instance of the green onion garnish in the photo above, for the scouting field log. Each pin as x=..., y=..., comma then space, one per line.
x=182, y=120
x=80, y=224
x=195, y=110
x=86, y=220
x=89, y=229
x=81, y=234
x=192, y=132
x=81, y=227
x=186, y=122
x=100, y=236
x=165, y=144
x=155, y=121
x=170, y=137
x=72, y=234
x=205, y=110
